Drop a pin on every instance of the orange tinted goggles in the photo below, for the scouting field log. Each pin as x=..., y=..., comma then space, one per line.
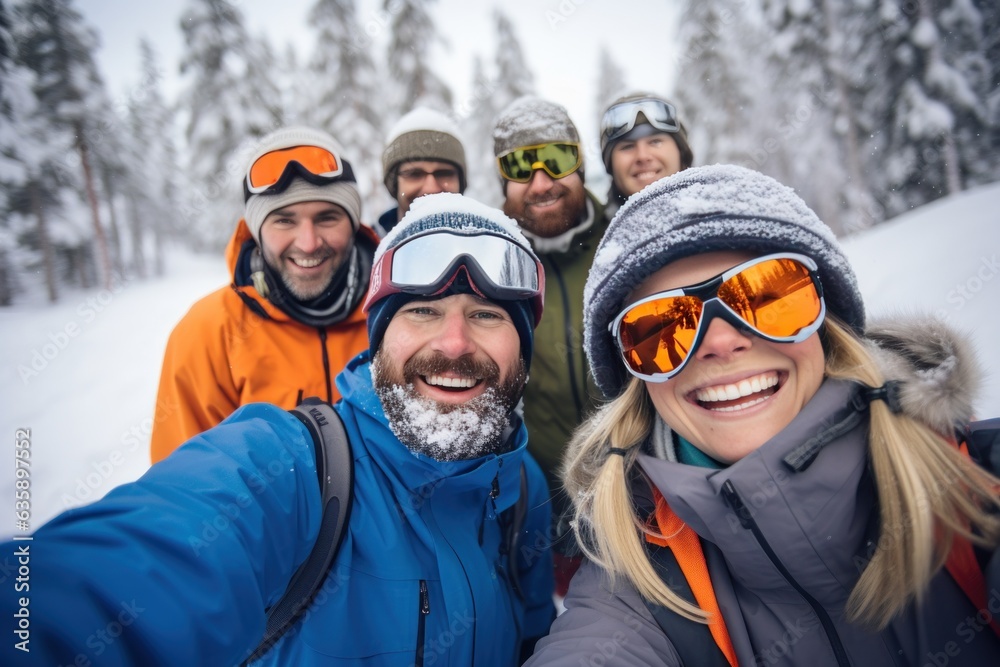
x=268, y=169
x=778, y=297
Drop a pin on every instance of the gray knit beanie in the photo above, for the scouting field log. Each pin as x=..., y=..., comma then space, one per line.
x=528, y=121
x=343, y=191
x=700, y=210
x=422, y=134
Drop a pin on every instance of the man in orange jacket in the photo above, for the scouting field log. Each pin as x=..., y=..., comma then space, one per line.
x=291, y=319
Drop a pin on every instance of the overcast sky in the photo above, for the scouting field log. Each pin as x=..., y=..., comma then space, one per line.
x=561, y=39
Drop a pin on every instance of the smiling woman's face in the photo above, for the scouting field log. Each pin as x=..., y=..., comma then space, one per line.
x=737, y=391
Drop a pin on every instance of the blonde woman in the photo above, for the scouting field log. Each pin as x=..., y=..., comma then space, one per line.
x=772, y=481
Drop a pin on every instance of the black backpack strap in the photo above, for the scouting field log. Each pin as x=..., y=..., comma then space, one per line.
x=692, y=640
x=335, y=466
x=515, y=522
x=983, y=440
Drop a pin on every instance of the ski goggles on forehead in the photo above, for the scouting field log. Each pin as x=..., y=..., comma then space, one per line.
x=428, y=264
x=273, y=168
x=557, y=159
x=777, y=297
x=621, y=118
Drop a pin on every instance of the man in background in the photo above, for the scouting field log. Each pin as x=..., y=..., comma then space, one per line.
x=423, y=155
x=541, y=168
x=291, y=318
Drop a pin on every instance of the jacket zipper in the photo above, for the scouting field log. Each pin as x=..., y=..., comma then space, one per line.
x=568, y=332
x=734, y=500
x=425, y=609
x=326, y=365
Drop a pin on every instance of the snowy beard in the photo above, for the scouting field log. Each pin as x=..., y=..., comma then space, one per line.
x=448, y=431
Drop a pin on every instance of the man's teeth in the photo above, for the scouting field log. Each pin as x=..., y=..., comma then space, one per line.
x=731, y=392
x=307, y=263
x=461, y=383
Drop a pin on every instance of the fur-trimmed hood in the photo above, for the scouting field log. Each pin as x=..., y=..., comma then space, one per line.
x=936, y=365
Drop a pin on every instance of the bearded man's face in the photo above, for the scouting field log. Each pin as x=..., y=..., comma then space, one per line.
x=448, y=373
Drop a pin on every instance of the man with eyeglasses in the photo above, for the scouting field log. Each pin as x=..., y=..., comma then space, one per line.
x=432, y=569
x=540, y=159
x=423, y=155
x=291, y=318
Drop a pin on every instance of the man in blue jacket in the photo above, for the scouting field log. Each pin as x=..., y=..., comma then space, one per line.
x=178, y=567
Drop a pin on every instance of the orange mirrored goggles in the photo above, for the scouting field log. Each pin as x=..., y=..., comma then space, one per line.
x=777, y=297
x=277, y=168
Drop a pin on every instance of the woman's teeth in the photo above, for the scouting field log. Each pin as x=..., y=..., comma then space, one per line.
x=733, y=392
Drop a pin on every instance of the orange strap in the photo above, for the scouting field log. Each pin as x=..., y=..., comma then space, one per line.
x=964, y=568
x=686, y=547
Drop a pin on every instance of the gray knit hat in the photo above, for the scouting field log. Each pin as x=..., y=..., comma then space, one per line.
x=342, y=191
x=700, y=210
x=528, y=121
x=422, y=134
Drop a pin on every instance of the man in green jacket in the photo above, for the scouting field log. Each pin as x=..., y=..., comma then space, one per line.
x=541, y=167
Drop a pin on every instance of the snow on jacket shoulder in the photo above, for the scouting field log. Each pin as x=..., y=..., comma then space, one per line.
x=235, y=347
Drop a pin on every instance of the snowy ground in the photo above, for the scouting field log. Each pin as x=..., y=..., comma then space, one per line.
x=82, y=375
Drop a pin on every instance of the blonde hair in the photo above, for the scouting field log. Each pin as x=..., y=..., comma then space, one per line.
x=928, y=494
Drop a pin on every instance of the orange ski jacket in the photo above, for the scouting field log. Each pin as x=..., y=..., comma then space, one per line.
x=235, y=347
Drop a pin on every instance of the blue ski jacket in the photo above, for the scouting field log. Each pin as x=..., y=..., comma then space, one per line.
x=178, y=567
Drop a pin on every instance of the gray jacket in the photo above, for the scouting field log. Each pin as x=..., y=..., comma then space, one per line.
x=786, y=607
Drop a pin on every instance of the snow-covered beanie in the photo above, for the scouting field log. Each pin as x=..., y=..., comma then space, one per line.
x=342, y=191
x=450, y=211
x=528, y=121
x=695, y=211
x=422, y=134
x=642, y=128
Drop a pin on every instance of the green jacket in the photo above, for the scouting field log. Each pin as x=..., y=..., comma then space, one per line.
x=560, y=390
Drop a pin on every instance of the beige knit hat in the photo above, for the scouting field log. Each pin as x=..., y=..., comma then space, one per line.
x=343, y=190
x=422, y=134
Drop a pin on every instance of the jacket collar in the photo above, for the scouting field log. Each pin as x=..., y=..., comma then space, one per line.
x=796, y=511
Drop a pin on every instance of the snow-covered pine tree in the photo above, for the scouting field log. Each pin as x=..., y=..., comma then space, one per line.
x=53, y=41
x=24, y=239
x=229, y=101
x=345, y=98
x=152, y=188
x=610, y=80
x=413, y=37
x=939, y=84
x=720, y=76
